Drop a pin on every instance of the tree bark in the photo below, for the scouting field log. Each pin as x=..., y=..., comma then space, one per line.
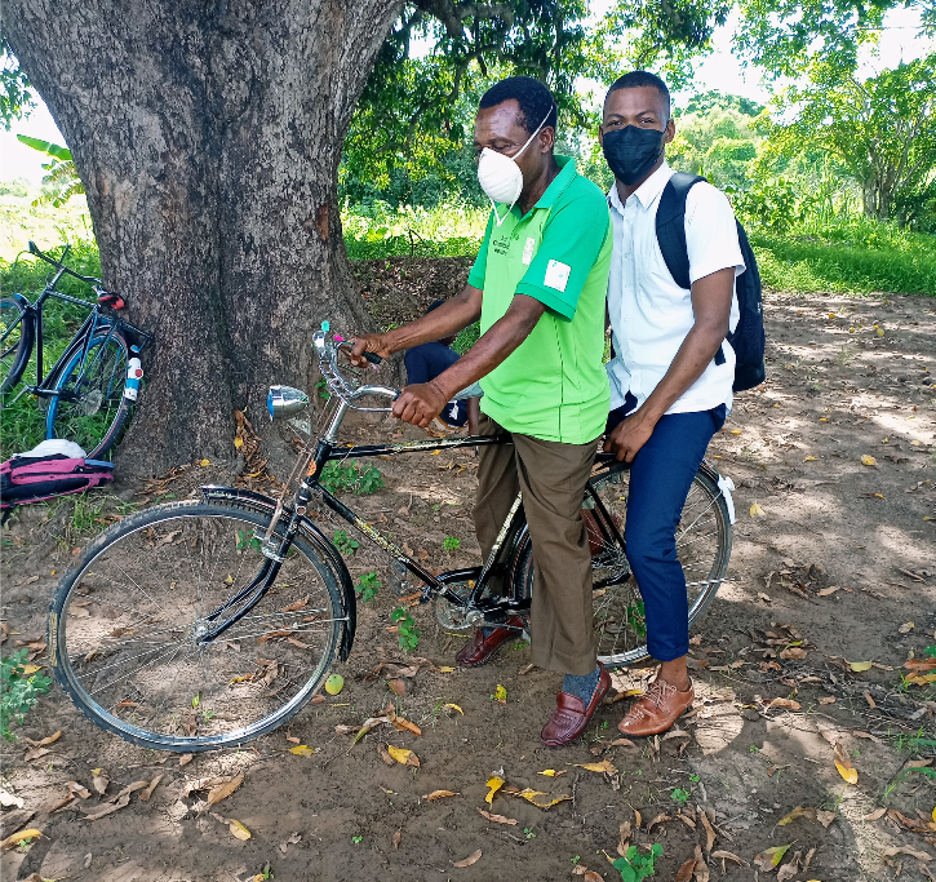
x=208, y=136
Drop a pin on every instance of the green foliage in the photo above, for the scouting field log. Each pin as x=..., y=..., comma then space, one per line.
x=61, y=180
x=248, y=542
x=15, y=96
x=680, y=795
x=881, y=129
x=635, y=866
x=407, y=631
x=376, y=229
x=336, y=478
x=451, y=543
x=19, y=691
x=856, y=255
x=368, y=586
x=344, y=543
x=784, y=36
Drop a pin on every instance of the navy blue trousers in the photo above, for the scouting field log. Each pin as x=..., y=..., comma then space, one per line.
x=660, y=479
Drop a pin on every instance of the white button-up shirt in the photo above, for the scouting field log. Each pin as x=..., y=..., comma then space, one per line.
x=650, y=314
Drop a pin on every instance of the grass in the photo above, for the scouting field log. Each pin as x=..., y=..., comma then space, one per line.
x=855, y=255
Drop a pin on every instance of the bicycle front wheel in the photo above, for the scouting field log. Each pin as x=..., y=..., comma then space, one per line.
x=16, y=342
x=127, y=628
x=89, y=407
x=703, y=544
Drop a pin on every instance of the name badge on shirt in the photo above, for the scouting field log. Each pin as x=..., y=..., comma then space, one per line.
x=528, y=251
x=557, y=275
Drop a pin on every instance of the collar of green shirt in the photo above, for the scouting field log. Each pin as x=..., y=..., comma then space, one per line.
x=567, y=174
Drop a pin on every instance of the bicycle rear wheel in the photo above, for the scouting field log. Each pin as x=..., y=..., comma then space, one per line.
x=91, y=409
x=703, y=543
x=16, y=342
x=124, y=629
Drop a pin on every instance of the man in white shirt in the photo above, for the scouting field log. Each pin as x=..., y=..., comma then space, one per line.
x=670, y=387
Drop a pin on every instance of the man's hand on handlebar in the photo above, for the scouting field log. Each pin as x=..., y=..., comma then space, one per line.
x=374, y=343
x=419, y=404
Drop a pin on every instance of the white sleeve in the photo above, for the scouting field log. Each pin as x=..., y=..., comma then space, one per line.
x=711, y=233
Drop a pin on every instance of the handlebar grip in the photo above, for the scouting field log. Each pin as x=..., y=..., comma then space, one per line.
x=32, y=247
x=373, y=358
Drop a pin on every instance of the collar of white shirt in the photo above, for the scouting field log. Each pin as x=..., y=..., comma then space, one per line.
x=647, y=192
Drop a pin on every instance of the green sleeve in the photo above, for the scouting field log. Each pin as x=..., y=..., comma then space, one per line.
x=573, y=238
x=476, y=276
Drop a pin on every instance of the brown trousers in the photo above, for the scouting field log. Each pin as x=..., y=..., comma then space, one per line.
x=552, y=477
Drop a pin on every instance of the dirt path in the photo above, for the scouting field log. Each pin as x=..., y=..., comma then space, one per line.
x=838, y=567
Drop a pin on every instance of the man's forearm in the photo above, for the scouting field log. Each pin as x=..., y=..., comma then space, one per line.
x=493, y=348
x=450, y=318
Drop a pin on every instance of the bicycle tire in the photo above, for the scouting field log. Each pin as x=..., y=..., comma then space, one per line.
x=123, y=626
x=91, y=409
x=16, y=342
x=703, y=542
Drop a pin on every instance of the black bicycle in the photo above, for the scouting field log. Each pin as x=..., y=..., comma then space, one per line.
x=206, y=623
x=90, y=391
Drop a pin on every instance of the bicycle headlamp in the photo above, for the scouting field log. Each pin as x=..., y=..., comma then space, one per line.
x=285, y=401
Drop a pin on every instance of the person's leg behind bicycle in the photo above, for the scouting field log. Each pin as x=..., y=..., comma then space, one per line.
x=660, y=478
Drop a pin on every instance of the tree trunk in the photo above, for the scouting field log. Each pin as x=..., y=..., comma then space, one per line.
x=208, y=136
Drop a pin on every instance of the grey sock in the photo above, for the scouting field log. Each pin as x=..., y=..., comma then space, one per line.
x=582, y=687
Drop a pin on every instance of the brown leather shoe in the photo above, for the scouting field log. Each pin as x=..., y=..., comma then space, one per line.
x=481, y=648
x=570, y=717
x=656, y=711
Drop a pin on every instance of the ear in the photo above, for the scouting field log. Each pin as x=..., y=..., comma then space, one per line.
x=546, y=138
x=601, y=136
x=669, y=131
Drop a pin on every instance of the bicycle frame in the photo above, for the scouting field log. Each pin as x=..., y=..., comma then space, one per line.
x=33, y=316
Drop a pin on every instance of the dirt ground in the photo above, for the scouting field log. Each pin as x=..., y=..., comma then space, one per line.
x=832, y=588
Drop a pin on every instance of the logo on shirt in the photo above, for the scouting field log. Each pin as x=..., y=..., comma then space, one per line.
x=528, y=249
x=557, y=275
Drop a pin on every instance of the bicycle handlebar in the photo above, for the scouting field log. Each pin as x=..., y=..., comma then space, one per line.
x=105, y=298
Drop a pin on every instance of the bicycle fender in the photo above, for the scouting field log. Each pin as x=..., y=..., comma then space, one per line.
x=311, y=534
x=724, y=483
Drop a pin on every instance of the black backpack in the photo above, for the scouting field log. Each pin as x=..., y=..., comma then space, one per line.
x=747, y=340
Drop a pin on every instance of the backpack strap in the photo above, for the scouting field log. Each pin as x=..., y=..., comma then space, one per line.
x=671, y=232
x=671, y=226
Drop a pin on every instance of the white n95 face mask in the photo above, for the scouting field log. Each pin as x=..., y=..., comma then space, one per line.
x=500, y=176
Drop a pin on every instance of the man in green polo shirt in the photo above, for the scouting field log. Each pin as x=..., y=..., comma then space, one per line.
x=538, y=287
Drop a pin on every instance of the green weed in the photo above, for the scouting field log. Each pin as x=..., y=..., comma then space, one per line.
x=344, y=543
x=368, y=586
x=928, y=773
x=680, y=795
x=450, y=543
x=19, y=691
x=336, y=478
x=407, y=631
x=635, y=866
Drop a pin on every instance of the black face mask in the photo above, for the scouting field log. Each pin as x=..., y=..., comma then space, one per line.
x=631, y=152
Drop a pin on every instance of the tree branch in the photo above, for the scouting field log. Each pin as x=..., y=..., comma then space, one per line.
x=452, y=13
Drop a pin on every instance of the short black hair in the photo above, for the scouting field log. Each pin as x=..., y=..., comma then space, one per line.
x=638, y=78
x=535, y=100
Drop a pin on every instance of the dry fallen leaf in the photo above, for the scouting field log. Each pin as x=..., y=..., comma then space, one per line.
x=397, y=687
x=788, y=703
x=497, y=819
x=905, y=849
x=709, y=831
x=148, y=791
x=109, y=808
x=453, y=707
x=403, y=755
x=604, y=766
x=877, y=813
x=533, y=796
x=468, y=861
x=16, y=838
x=438, y=794
x=868, y=460
x=770, y=857
x=238, y=829
x=860, y=667
x=223, y=791
x=100, y=780
x=844, y=765
x=494, y=784
x=757, y=511
x=302, y=750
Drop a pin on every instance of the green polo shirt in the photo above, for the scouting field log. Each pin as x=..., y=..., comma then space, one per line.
x=553, y=386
